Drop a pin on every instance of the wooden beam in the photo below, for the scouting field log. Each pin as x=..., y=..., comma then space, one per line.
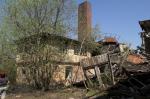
x=111, y=70
x=100, y=59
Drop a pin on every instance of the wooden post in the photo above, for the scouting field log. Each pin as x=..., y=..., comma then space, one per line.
x=89, y=82
x=111, y=70
x=98, y=74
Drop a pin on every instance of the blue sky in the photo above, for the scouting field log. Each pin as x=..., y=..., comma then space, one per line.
x=120, y=18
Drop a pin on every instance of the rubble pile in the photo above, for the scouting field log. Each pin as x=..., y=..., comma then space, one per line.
x=135, y=81
x=136, y=85
x=128, y=71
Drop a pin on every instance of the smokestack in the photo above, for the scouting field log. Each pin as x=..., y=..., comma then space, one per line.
x=84, y=21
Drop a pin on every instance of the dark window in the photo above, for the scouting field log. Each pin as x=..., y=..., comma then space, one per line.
x=68, y=72
x=63, y=49
x=76, y=50
x=84, y=52
x=23, y=71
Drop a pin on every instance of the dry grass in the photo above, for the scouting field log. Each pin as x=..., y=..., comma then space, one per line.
x=72, y=93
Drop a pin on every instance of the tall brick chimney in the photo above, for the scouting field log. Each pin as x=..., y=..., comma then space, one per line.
x=84, y=21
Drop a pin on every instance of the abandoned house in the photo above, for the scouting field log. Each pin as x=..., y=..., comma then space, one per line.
x=68, y=68
x=68, y=60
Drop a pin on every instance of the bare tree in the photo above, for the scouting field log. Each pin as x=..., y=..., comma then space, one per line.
x=29, y=17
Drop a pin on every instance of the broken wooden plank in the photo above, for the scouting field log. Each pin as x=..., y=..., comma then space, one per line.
x=100, y=59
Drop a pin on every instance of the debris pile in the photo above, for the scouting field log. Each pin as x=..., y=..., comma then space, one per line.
x=127, y=71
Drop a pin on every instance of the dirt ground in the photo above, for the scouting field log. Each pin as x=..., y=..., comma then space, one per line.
x=69, y=93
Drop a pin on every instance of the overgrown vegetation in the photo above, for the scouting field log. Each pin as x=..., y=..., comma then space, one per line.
x=24, y=18
x=24, y=30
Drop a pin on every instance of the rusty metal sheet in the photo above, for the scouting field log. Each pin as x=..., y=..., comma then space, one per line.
x=110, y=40
x=135, y=59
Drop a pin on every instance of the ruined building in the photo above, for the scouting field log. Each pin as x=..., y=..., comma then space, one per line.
x=62, y=51
x=69, y=70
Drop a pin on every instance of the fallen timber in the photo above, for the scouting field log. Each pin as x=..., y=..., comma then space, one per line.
x=102, y=64
x=127, y=78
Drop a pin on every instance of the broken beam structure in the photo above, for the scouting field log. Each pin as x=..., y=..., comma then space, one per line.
x=95, y=63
